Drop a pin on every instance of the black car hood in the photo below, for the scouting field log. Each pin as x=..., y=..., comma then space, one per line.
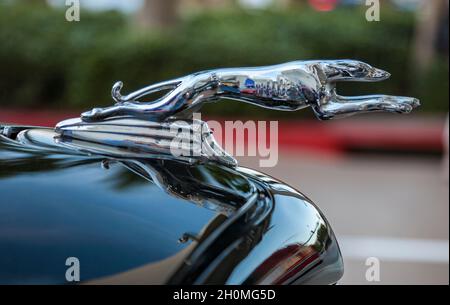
x=154, y=221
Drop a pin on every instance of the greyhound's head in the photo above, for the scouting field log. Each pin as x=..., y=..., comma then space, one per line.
x=352, y=70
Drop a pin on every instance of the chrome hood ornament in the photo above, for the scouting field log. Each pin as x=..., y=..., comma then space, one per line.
x=164, y=128
x=289, y=87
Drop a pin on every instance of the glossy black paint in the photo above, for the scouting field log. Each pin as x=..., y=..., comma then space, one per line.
x=154, y=221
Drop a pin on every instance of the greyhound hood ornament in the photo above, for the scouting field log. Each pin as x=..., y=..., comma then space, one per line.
x=164, y=128
x=290, y=86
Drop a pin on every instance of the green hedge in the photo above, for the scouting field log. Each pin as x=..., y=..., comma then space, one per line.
x=48, y=62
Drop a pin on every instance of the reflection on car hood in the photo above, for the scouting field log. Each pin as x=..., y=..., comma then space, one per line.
x=55, y=206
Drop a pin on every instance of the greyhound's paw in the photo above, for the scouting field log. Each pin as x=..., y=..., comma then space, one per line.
x=400, y=104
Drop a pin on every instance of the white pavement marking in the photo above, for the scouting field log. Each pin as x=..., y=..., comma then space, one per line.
x=394, y=249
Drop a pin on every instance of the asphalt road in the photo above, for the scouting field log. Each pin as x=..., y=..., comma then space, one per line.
x=395, y=209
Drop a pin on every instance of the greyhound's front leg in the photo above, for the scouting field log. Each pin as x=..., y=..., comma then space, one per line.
x=341, y=106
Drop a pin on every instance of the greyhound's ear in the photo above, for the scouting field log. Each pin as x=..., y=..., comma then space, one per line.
x=352, y=70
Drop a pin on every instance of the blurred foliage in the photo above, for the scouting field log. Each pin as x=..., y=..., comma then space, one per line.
x=46, y=61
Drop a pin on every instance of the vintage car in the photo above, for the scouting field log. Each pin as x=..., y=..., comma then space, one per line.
x=108, y=194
